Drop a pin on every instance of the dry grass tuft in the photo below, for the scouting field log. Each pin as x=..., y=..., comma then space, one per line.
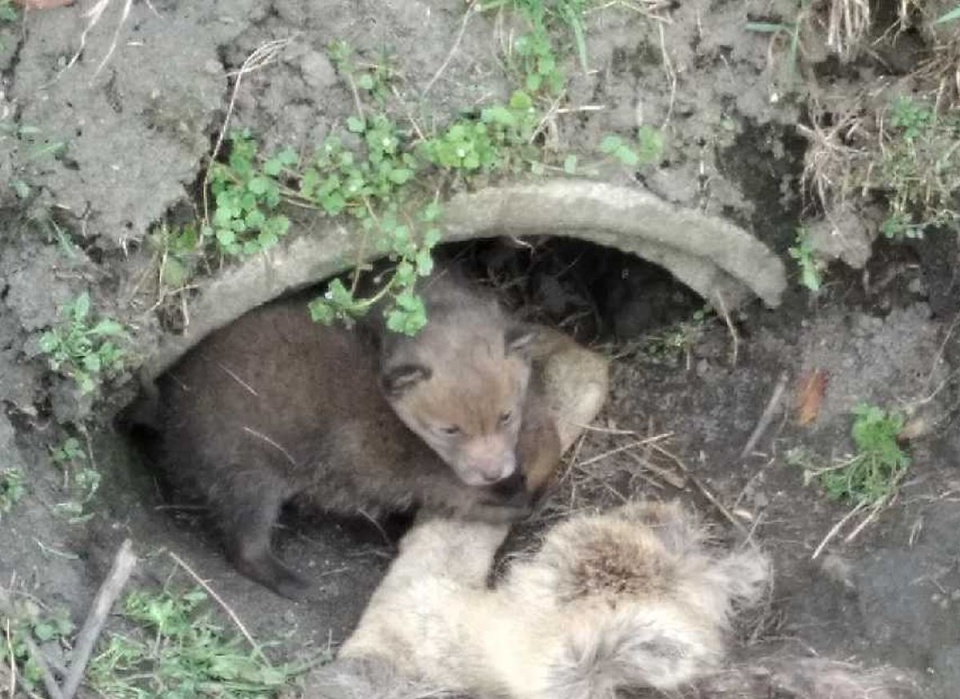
x=847, y=25
x=838, y=149
x=901, y=143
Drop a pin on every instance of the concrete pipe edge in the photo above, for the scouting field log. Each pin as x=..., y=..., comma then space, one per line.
x=720, y=261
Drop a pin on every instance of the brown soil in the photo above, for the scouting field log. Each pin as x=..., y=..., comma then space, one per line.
x=135, y=136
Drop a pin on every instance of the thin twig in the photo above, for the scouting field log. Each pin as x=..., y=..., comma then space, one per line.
x=678, y=482
x=671, y=77
x=734, y=337
x=108, y=593
x=223, y=605
x=49, y=681
x=713, y=500
x=260, y=58
x=453, y=49
x=124, y=16
x=836, y=529
x=872, y=515
x=94, y=13
x=766, y=417
x=12, y=660
x=625, y=447
x=612, y=430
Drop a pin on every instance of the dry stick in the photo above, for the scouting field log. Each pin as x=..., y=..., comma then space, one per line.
x=49, y=682
x=94, y=13
x=116, y=36
x=111, y=588
x=835, y=530
x=766, y=417
x=703, y=489
x=11, y=658
x=872, y=515
x=453, y=49
x=625, y=447
x=223, y=605
x=733, y=331
x=261, y=57
x=678, y=482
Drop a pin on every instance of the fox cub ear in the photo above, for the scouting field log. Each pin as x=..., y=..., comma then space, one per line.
x=519, y=339
x=399, y=379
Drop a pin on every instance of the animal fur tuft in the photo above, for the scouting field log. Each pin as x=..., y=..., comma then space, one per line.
x=807, y=678
x=646, y=601
x=368, y=678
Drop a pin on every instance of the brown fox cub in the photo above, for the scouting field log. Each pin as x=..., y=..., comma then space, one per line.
x=276, y=407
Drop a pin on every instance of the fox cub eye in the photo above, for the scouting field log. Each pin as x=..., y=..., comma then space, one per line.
x=450, y=430
x=506, y=417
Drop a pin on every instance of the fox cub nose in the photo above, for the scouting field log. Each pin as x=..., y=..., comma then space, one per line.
x=512, y=490
x=496, y=470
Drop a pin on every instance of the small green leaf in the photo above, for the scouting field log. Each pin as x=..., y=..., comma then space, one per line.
x=424, y=262
x=366, y=82
x=570, y=164
x=401, y=176
x=431, y=237
x=272, y=167
x=626, y=156
x=49, y=341
x=21, y=188
x=92, y=363
x=651, y=144
x=610, y=144
x=255, y=219
x=356, y=125
x=81, y=306
x=810, y=278
x=950, y=16
x=107, y=328
x=321, y=312
x=521, y=100
x=288, y=157
x=226, y=237
x=498, y=115
x=766, y=27
x=432, y=211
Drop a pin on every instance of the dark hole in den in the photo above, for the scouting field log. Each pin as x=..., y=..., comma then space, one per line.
x=589, y=291
x=593, y=293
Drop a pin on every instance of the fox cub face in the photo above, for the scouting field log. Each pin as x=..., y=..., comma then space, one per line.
x=462, y=390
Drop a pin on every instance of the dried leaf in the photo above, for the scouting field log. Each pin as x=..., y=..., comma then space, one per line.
x=810, y=396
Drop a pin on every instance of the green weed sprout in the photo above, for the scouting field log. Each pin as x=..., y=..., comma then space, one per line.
x=872, y=474
x=179, y=651
x=648, y=149
x=920, y=167
x=12, y=489
x=80, y=479
x=26, y=628
x=245, y=221
x=811, y=267
x=84, y=350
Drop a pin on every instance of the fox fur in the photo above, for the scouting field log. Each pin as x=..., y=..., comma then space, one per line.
x=635, y=600
x=629, y=599
x=277, y=408
x=763, y=678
